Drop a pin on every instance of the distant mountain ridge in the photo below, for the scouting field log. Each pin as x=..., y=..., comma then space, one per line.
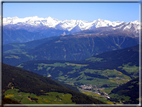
x=76, y=46
x=12, y=35
x=34, y=23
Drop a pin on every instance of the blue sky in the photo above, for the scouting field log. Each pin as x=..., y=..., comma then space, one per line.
x=80, y=11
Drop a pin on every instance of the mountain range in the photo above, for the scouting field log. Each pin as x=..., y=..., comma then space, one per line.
x=12, y=35
x=36, y=24
x=76, y=46
x=69, y=25
x=93, y=57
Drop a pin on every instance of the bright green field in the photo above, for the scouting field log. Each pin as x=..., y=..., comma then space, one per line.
x=30, y=98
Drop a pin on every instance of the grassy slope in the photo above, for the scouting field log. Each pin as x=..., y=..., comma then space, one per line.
x=26, y=83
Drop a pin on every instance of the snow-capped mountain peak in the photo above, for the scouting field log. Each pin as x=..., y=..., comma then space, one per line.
x=70, y=25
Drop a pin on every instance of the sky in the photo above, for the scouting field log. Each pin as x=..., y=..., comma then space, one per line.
x=78, y=11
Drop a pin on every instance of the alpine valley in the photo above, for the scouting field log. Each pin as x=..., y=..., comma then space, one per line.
x=70, y=61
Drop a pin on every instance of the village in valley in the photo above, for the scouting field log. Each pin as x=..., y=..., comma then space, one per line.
x=95, y=89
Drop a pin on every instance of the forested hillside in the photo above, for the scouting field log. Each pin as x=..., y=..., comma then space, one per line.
x=29, y=88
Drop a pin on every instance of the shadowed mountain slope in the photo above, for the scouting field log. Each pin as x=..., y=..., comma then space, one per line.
x=127, y=93
x=77, y=46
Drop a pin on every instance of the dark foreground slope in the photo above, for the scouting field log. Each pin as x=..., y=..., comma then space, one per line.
x=127, y=93
x=29, y=88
